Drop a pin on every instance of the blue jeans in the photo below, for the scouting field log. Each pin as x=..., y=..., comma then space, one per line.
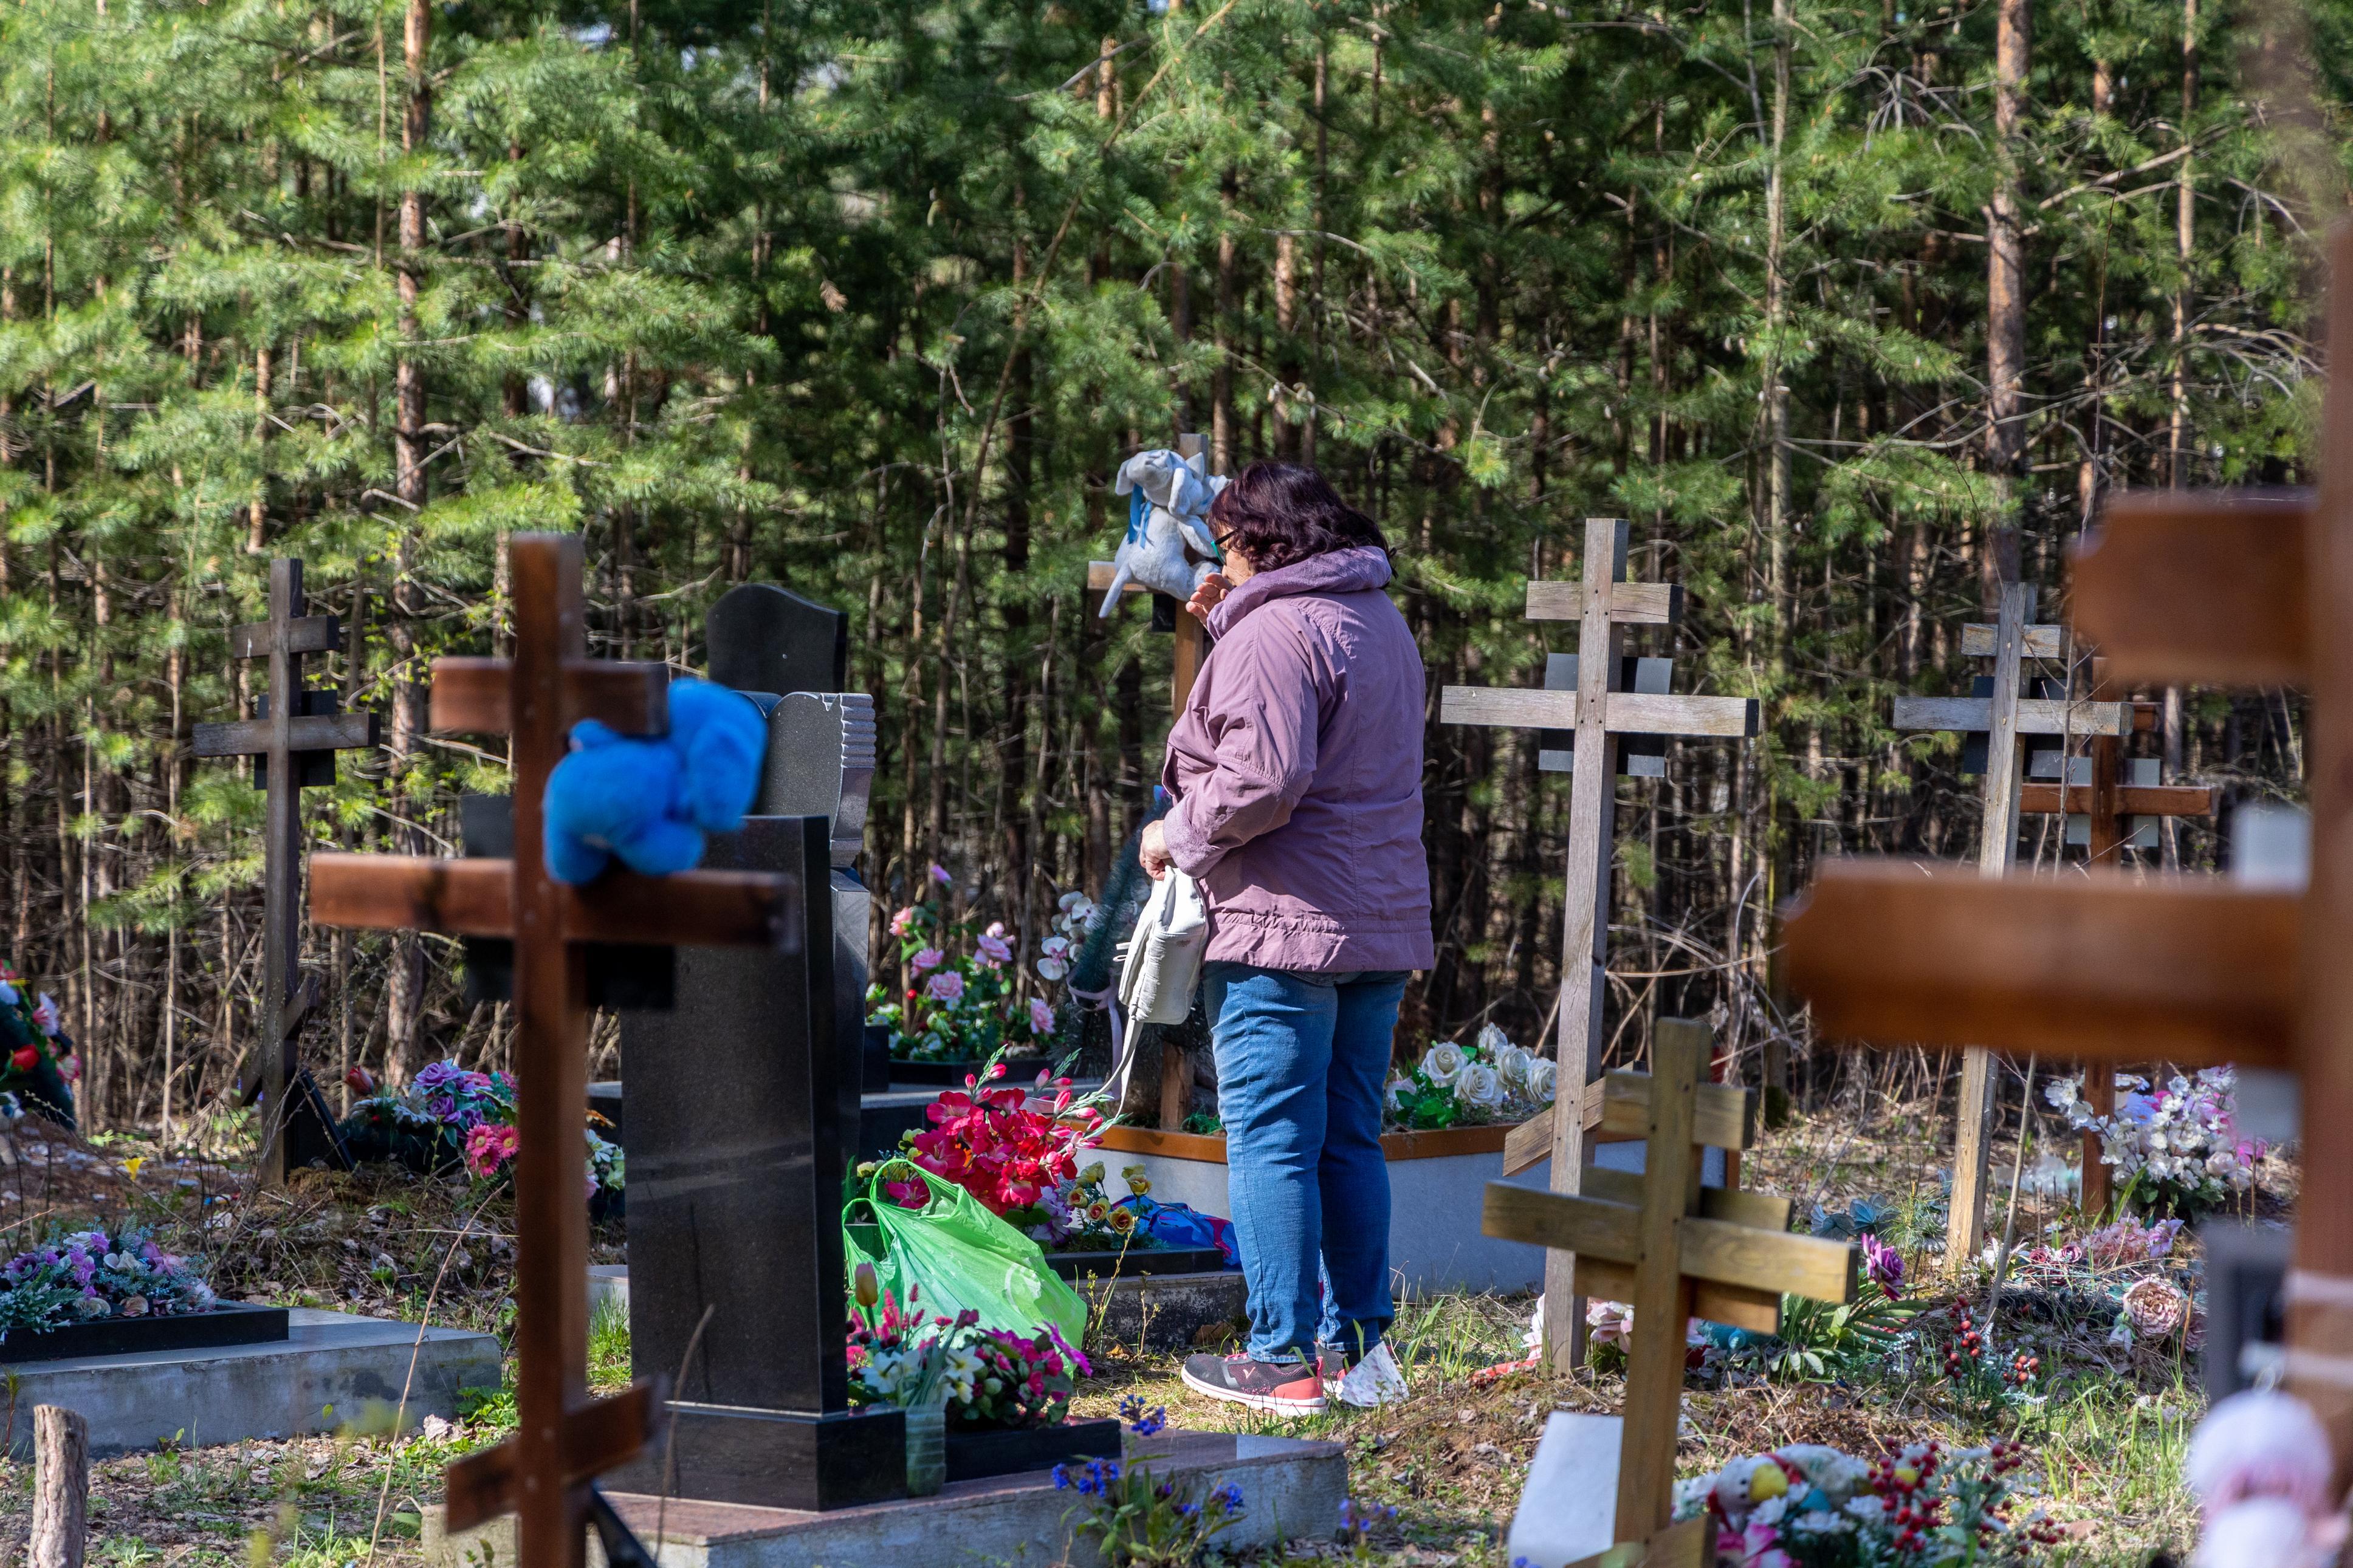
x=1302, y=1061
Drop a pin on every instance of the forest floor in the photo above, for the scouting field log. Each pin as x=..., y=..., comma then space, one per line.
x=2107, y=1422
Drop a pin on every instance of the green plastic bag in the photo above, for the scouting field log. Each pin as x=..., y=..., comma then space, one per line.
x=962, y=1257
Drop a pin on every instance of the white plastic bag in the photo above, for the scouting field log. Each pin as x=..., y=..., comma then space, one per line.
x=1164, y=957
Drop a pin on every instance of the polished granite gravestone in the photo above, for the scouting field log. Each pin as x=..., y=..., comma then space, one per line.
x=331, y=1372
x=745, y=1094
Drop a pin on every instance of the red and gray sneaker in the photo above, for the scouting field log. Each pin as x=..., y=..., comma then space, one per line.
x=1286, y=1388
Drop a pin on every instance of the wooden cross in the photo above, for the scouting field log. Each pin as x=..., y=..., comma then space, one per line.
x=1675, y=1250
x=563, y=1440
x=1597, y=713
x=293, y=743
x=2108, y=801
x=2003, y=717
x=2213, y=588
x=1192, y=647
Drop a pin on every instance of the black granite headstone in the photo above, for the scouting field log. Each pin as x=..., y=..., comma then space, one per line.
x=766, y=639
x=742, y=1109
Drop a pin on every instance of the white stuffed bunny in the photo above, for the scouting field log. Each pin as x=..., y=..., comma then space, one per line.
x=1169, y=508
x=2259, y=1463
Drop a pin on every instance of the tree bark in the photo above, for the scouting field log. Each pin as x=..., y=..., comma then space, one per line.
x=60, y=1486
x=2006, y=281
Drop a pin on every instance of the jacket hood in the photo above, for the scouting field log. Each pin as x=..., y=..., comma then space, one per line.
x=1334, y=572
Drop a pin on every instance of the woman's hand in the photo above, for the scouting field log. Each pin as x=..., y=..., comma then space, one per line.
x=1207, y=597
x=1154, y=851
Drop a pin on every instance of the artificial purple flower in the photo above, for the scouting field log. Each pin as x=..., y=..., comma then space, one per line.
x=939, y=874
x=439, y=1077
x=1883, y=1264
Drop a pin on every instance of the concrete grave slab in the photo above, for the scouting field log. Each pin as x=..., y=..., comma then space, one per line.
x=1290, y=1489
x=333, y=1369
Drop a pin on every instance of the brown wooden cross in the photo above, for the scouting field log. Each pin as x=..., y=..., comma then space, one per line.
x=2004, y=718
x=293, y=743
x=563, y=1440
x=1675, y=1250
x=2177, y=588
x=1602, y=602
x=1192, y=647
x=2108, y=801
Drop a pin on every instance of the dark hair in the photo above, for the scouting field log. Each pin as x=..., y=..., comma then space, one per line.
x=1277, y=514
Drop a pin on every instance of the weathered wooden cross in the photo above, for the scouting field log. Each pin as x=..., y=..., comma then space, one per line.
x=2003, y=718
x=2177, y=588
x=2109, y=801
x=1596, y=715
x=293, y=743
x=1675, y=1250
x=563, y=1440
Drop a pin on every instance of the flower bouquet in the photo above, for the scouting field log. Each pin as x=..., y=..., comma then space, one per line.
x=36, y=1060
x=1806, y=1506
x=450, y=1118
x=2176, y=1149
x=959, y=1006
x=1015, y=1150
x=1454, y=1085
x=88, y=1275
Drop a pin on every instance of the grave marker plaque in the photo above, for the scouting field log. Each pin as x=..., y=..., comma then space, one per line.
x=744, y=1107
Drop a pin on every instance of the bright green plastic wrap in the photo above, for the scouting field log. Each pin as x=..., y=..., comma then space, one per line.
x=962, y=1257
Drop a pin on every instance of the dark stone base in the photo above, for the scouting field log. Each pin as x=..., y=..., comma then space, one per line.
x=973, y=1455
x=233, y=1323
x=774, y=1458
x=1136, y=1260
x=1018, y=1071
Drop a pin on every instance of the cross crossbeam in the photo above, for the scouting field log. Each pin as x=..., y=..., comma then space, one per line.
x=2216, y=589
x=293, y=743
x=1675, y=1250
x=562, y=1438
x=1593, y=716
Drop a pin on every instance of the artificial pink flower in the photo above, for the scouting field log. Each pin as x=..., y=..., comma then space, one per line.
x=489, y=1146
x=925, y=960
x=45, y=1014
x=995, y=950
x=1042, y=1024
x=902, y=921
x=946, y=986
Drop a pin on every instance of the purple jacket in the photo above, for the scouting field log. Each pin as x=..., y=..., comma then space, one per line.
x=1297, y=774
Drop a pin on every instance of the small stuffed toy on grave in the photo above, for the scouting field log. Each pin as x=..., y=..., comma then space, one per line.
x=648, y=803
x=1168, y=498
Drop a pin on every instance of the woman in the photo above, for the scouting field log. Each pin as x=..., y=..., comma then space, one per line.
x=1296, y=770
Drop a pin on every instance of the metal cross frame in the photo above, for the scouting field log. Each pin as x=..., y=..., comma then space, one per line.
x=1602, y=603
x=299, y=730
x=562, y=1438
x=2218, y=588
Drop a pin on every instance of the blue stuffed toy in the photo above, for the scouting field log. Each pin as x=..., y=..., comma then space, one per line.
x=650, y=801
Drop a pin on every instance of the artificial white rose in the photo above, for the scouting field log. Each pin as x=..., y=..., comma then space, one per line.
x=1493, y=1041
x=1397, y=1089
x=1443, y=1062
x=1542, y=1075
x=1512, y=1066
x=1478, y=1087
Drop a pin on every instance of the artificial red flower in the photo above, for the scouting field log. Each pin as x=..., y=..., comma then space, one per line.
x=23, y=1059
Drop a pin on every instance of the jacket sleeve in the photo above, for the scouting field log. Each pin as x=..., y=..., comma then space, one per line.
x=1262, y=721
